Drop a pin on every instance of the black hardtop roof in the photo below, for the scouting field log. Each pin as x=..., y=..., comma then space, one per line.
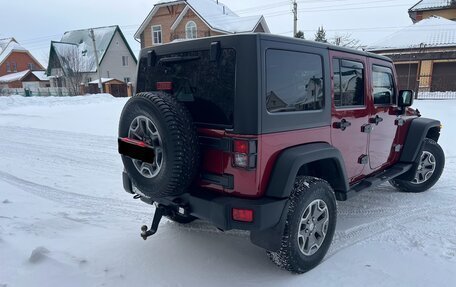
x=278, y=38
x=272, y=37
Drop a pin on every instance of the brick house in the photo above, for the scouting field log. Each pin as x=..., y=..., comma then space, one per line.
x=74, y=54
x=15, y=58
x=173, y=20
x=424, y=53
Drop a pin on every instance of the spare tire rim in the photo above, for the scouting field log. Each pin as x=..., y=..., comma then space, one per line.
x=144, y=129
x=426, y=168
x=313, y=227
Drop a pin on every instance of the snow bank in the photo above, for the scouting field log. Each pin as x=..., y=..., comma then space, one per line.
x=18, y=101
x=91, y=114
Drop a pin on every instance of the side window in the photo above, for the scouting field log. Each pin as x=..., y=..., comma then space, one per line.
x=383, y=85
x=348, y=83
x=294, y=81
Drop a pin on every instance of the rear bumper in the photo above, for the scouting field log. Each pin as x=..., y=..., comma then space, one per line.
x=217, y=209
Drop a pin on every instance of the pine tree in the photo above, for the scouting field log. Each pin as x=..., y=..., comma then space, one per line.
x=320, y=36
x=300, y=35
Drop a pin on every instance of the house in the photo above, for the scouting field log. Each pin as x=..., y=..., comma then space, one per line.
x=111, y=86
x=15, y=58
x=27, y=79
x=72, y=60
x=424, y=54
x=173, y=20
x=427, y=8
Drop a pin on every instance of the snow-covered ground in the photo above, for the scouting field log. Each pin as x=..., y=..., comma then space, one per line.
x=66, y=221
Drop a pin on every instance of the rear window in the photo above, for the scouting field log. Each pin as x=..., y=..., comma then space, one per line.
x=206, y=87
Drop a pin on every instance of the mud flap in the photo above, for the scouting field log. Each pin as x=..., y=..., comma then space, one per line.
x=271, y=238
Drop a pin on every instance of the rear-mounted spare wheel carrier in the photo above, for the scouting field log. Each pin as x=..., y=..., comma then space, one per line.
x=159, y=144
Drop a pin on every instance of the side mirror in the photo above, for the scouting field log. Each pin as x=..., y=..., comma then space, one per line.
x=405, y=98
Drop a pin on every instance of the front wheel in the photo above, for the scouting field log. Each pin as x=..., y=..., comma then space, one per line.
x=430, y=168
x=310, y=226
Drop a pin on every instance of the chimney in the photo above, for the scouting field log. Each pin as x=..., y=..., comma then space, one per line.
x=223, y=9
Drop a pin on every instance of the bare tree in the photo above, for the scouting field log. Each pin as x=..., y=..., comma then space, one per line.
x=299, y=34
x=75, y=64
x=345, y=40
x=320, y=36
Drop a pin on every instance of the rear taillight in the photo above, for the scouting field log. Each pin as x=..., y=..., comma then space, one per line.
x=244, y=153
x=244, y=215
x=164, y=86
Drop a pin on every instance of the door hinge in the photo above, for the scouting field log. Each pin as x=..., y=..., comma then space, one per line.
x=367, y=128
x=342, y=125
x=363, y=159
x=399, y=122
x=397, y=148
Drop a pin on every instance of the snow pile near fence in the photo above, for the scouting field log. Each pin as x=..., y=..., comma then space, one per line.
x=90, y=114
x=18, y=101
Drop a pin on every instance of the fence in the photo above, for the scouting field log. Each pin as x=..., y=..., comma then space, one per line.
x=436, y=95
x=44, y=92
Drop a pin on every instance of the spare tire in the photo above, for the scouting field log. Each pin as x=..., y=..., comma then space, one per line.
x=159, y=120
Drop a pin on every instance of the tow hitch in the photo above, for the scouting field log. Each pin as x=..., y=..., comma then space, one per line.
x=160, y=211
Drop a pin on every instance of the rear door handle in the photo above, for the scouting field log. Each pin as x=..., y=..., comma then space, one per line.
x=376, y=120
x=342, y=125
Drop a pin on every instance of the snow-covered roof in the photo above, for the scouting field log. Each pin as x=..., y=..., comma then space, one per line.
x=432, y=4
x=103, y=80
x=41, y=75
x=14, y=77
x=4, y=42
x=431, y=32
x=215, y=14
x=22, y=74
x=7, y=46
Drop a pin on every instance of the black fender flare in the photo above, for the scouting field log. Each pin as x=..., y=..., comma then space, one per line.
x=291, y=160
x=281, y=182
x=417, y=132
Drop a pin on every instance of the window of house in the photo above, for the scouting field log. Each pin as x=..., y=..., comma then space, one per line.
x=191, y=30
x=124, y=61
x=127, y=80
x=31, y=66
x=8, y=67
x=157, y=34
x=383, y=85
x=294, y=81
x=14, y=67
x=348, y=83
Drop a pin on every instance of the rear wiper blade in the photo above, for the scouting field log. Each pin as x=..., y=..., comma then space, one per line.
x=178, y=59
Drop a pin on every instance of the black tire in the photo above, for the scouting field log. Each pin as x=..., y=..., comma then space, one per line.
x=306, y=191
x=430, y=147
x=179, y=144
x=181, y=219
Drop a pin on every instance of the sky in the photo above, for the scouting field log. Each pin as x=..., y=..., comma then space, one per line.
x=34, y=23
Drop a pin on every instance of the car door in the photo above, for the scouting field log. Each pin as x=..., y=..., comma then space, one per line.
x=383, y=114
x=350, y=111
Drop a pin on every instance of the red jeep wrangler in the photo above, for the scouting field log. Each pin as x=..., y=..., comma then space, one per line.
x=263, y=133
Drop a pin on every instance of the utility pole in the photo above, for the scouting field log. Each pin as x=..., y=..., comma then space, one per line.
x=100, y=84
x=295, y=18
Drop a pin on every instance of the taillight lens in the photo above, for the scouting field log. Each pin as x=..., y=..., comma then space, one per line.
x=164, y=86
x=244, y=215
x=244, y=153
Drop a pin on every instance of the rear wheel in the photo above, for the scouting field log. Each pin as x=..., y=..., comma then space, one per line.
x=310, y=226
x=430, y=168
